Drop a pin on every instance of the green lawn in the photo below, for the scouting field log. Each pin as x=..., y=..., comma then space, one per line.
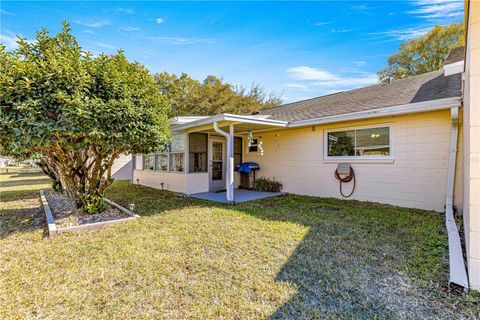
x=285, y=257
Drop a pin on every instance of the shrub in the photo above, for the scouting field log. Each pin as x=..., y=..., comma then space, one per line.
x=94, y=204
x=265, y=184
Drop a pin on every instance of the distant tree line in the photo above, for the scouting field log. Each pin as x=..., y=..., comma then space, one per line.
x=423, y=54
x=212, y=96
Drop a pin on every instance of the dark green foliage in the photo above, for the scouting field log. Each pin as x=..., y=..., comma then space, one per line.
x=267, y=185
x=77, y=113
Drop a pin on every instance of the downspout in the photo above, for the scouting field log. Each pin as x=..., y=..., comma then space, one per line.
x=458, y=272
x=229, y=180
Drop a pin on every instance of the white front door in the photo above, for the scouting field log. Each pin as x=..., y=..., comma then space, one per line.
x=217, y=164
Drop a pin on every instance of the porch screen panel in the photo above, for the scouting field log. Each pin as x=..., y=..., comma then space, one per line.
x=237, y=151
x=197, y=143
x=177, y=149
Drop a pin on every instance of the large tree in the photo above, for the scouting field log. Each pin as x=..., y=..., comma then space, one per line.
x=423, y=54
x=77, y=113
x=212, y=96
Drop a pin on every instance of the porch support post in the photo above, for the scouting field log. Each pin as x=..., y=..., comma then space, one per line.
x=230, y=168
x=229, y=137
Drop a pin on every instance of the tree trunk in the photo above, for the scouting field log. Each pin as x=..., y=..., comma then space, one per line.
x=56, y=184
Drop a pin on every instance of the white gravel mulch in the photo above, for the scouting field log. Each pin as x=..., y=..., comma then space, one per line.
x=66, y=214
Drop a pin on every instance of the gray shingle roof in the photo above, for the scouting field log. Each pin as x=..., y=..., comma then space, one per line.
x=424, y=87
x=455, y=55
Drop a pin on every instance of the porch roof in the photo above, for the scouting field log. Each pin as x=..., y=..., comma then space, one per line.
x=243, y=123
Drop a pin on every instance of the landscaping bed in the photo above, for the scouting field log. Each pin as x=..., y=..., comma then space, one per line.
x=66, y=213
x=63, y=216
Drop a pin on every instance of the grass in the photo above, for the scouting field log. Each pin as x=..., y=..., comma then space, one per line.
x=285, y=257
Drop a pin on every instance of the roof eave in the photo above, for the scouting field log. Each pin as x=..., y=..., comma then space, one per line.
x=417, y=107
x=229, y=117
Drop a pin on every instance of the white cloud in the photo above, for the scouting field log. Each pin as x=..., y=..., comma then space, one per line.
x=9, y=41
x=319, y=23
x=299, y=86
x=309, y=73
x=159, y=20
x=124, y=10
x=92, y=23
x=182, y=40
x=342, y=30
x=360, y=63
x=322, y=78
x=405, y=34
x=360, y=7
x=104, y=45
x=89, y=31
x=438, y=9
x=5, y=12
x=130, y=29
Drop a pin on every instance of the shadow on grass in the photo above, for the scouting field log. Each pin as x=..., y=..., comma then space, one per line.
x=14, y=183
x=18, y=195
x=358, y=259
x=363, y=260
x=21, y=221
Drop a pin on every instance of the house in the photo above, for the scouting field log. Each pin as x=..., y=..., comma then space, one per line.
x=399, y=140
x=412, y=142
x=5, y=162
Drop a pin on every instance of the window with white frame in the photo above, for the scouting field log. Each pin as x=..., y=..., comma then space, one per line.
x=373, y=142
x=177, y=153
x=149, y=162
x=197, y=146
x=252, y=145
x=161, y=161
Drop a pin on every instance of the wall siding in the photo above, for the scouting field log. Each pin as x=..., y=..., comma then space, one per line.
x=122, y=167
x=177, y=182
x=471, y=155
x=417, y=177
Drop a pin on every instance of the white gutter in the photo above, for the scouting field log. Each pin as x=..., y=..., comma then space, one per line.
x=232, y=118
x=424, y=106
x=458, y=272
x=229, y=181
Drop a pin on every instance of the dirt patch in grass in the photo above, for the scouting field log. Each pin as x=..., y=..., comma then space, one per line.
x=66, y=213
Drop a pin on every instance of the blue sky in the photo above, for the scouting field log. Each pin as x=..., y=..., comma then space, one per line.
x=297, y=49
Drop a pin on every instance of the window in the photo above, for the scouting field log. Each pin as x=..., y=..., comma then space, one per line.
x=149, y=162
x=197, y=144
x=253, y=145
x=177, y=149
x=359, y=143
x=161, y=161
x=237, y=151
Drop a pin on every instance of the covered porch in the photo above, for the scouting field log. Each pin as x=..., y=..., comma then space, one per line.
x=239, y=195
x=223, y=132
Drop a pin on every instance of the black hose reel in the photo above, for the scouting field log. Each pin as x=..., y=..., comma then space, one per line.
x=344, y=173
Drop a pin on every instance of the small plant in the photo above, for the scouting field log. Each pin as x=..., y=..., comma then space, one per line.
x=94, y=204
x=269, y=185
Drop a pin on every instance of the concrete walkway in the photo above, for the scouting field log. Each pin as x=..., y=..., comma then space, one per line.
x=240, y=195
